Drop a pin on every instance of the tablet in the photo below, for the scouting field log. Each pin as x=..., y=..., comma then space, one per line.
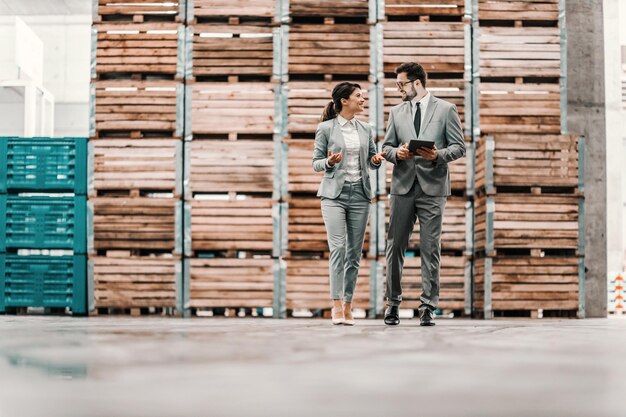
x=414, y=144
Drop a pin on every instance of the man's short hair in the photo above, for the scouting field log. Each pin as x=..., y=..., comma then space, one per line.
x=414, y=71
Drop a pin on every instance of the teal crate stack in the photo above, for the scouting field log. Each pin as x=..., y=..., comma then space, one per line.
x=43, y=184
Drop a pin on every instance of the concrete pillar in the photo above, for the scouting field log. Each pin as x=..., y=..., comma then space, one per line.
x=586, y=115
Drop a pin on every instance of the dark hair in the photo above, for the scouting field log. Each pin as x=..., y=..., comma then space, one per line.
x=341, y=90
x=414, y=71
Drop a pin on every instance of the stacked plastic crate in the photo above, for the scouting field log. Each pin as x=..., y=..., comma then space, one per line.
x=137, y=104
x=529, y=221
x=43, y=224
x=323, y=44
x=437, y=36
x=231, y=215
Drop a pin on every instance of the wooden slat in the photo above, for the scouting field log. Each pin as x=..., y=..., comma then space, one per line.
x=322, y=49
x=223, y=282
x=136, y=105
x=232, y=108
x=234, y=8
x=138, y=9
x=519, y=52
x=529, y=283
x=308, y=285
x=424, y=8
x=140, y=223
x=336, y=8
x=527, y=221
x=302, y=178
x=530, y=160
x=438, y=46
x=520, y=108
x=127, y=164
x=526, y=10
x=135, y=282
x=232, y=50
x=238, y=166
x=141, y=48
x=232, y=225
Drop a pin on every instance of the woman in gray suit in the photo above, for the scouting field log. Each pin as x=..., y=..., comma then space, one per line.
x=344, y=150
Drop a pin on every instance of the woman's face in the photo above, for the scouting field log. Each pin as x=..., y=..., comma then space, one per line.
x=356, y=103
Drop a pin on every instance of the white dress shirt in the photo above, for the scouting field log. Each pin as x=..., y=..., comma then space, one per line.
x=352, y=151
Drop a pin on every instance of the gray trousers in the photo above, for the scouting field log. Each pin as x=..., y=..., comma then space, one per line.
x=405, y=209
x=345, y=218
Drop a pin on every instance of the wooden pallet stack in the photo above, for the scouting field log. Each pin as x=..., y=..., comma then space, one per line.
x=436, y=36
x=136, y=148
x=529, y=220
x=324, y=44
x=230, y=213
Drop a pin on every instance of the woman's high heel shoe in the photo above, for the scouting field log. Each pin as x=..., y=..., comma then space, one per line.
x=347, y=314
x=337, y=316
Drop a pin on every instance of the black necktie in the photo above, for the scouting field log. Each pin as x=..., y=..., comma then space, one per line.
x=417, y=121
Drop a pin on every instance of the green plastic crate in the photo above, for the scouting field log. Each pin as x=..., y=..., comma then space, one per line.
x=43, y=223
x=43, y=164
x=43, y=281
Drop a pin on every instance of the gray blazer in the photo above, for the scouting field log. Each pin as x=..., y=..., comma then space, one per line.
x=441, y=125
x=328, y=136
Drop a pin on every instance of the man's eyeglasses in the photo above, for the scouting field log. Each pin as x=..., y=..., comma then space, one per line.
x=401, y=85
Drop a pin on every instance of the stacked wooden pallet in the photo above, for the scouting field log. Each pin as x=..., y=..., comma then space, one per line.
x=528, y=209
x=231, y=217
x=327, y=44
x=137, y=151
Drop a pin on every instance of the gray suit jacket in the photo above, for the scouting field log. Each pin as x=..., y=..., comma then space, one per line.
x=329, y=136
x=441, y=125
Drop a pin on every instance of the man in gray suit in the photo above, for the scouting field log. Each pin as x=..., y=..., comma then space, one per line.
x=420, y=184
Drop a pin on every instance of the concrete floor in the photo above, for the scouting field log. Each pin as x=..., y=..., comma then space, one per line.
x=108, y=366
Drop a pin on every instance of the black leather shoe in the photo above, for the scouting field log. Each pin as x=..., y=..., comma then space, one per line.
x=426, y=317
x=392, y=316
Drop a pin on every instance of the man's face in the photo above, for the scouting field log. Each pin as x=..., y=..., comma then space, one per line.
x=406, y=87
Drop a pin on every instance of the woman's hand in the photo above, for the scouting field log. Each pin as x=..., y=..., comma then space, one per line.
x=378, y=158
x=333, y=158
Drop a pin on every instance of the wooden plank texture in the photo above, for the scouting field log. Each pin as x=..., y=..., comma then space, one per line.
x=233, y=8
x=526, y=10
x=336, y=8
x=403, y=8
x=138, y=10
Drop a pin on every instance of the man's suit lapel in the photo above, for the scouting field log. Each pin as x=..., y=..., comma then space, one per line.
x=430, y=110
x=408, y=115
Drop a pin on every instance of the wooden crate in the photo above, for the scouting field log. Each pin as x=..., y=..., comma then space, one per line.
x=520, y=108
x=321, y=49
x=302, y=178
x=136, y=166
x=438, y=46
x=527, y=221
x=511, y=160
x=138, y=49
x=239, y=225
x=137, y=11
x=241, y=166
x=306, y=103
x=337, y=8
x=224, y=282
x=306, y=231
x=451, y=90
x=458, y=175
x=526, y=283
x=451, y=282
x=232, y=108
x=520, y=52
x=424, y=8
x=136, y=282
x=308, y=284
x=210, y=10
x=232, y=50
x=136, y=223
x=136, y=108
x=454, y=229
x=520, y=10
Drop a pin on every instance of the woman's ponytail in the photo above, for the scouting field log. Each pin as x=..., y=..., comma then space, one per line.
x=329, y=111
